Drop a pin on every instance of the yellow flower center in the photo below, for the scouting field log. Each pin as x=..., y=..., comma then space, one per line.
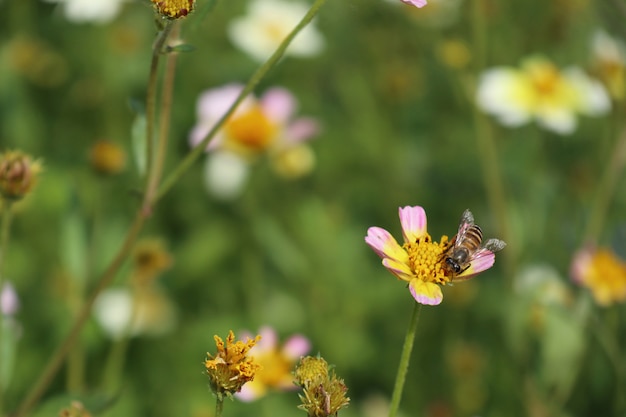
x=276, y=368
x=549, y=85
x=174, y=9
x=251, y=131
x=426, y=259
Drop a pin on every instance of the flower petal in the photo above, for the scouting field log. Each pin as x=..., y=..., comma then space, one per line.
x=413, y=220
x=225, y=174
x=416, y=3
x=399, y=269
x=384, y=244
x=427, y=293
x=480, y=263
x=301, y=129
x=251, y=391
x=296, y=346
x=278, y=104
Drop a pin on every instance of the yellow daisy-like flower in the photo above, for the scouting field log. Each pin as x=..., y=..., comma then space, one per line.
x=603, y=273
x=420, y=261
x=231, y=367
x=173, y=9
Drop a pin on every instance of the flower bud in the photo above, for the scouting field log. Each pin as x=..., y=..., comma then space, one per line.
x=18, y=174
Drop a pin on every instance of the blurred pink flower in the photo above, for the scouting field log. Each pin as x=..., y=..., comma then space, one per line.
x=265, y=125
x=9, y=301
x=277, y=363
x=416, y=3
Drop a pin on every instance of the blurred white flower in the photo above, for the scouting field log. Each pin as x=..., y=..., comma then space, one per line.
x=539, y=90
x=268, y=23
x=609, y=62
x=225, y=174
x=150, y=310
x=85, y=11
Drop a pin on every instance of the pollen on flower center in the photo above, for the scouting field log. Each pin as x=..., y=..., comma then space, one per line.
x=426, y=259
x=174, y=9
x=546, y=79
x=252, y=130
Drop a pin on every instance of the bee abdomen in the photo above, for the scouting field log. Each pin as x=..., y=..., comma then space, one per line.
x=473, y=238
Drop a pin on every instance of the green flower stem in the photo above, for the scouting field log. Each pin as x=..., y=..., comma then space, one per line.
x=155, y=169
x=7, y=216
x=44, y=380
x=404, y=361
x=151, y=93
x=606, y=189
x=254, y=80
x=219, y=405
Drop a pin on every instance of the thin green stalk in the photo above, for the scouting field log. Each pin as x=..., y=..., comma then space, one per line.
x=606, y=189
x=155, y=170
x=219, y=405
x=55, y=362
x=151, y=93
x=186, y=163
x=404, y=361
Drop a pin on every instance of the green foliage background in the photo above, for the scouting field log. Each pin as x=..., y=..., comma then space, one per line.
x=399, y=128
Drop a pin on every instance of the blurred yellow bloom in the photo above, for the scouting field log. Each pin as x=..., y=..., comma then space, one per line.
x=150, y=258
x=277, y=363
x=76, y=409
x=18, y=174
x=540, y=91
x=107, y=157
x=231, y=367
x=603, y=273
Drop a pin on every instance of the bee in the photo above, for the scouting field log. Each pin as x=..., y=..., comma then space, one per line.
x=467, y=246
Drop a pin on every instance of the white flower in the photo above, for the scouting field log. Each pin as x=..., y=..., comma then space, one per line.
x=150, y=310
x=609, y=63
x=84, y=11
x=268, y=23
x=540, y=91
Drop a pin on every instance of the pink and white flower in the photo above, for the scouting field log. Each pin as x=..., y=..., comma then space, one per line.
x=419, y=261
x=277, y=363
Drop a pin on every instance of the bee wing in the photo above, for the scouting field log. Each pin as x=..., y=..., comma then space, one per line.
x=467, y=221
x=494, y=245
x=479, y=261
